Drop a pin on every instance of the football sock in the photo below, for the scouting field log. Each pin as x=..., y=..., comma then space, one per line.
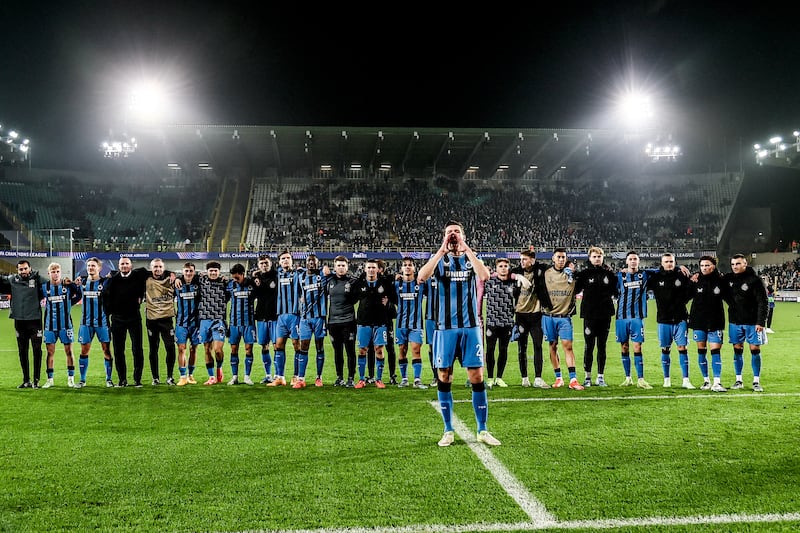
x=280, y=362
x=557, y=372
x=182, y=370
x=638, y=362
x=716, y=363
x=738, y=360
x=302, y=363
x=755, y=362
x=248, y=364
x=572, y=373
x=50, y=373
x=666, y=362
x=107, y=363
x=416, y=364
x=480, y=404
x=446, y=404
x=702, y=361
x=265, y=358
x=71, y=371
x=191, y=369
x=210, y=369
x=379, y=369
x=362, y=367
x=626, y=364
x=684, y=358
x=83, y=364
x=404, y=368
x=235, y=365
x=320, y=362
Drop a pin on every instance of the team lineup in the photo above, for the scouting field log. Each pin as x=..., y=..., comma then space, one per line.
x=366, y=315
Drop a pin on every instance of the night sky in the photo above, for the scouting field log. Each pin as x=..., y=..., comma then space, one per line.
x=712, y=70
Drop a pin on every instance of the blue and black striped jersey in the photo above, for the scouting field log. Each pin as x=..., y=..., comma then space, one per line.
x=289, y=291
x=241, y=297
x=188, y=297
x=458, y=293
x=59, y=300
x=409, y=303
x=432, y=299
x=314, y=302
x=632, y=294
x=93, y=314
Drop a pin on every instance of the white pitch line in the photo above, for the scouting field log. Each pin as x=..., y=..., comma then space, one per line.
x=532, y=507
x=714, y=396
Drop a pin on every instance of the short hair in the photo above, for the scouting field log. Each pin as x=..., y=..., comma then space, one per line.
x=453, y=222
x=156, y=260
x=739, y=256
x=23, y=262
x=264, y=258
x=213, y=264
x=187, y=265
x=238, y=268
x=380, y=263
x=631, y=252
x=92, y=260
x=376, y=261
x=409, y=259
x=53, y=266
x=341, y=258
x=501, y=260
x=710, y=258
x=528, y=253
x=285, y=252
x=667, y=254
x=596, y=250
x=559, y=250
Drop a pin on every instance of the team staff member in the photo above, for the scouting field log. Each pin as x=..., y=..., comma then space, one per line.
x=26, y=311
x=159, y=309
x=122, y=296
x=342, y=321
x=529, y=319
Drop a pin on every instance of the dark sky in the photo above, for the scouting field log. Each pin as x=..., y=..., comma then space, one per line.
x=714, y=70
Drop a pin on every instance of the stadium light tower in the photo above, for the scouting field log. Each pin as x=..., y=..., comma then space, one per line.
x=776, y=141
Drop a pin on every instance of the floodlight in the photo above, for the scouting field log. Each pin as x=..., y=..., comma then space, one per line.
x=776, y=139
x=23, y=149
x=13, y=134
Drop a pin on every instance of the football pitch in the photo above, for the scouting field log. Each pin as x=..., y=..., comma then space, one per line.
x=329, y=459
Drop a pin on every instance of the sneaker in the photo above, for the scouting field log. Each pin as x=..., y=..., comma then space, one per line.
x=80, y=384
x=361, y=384
x=627, y=383
x=156, y=382
x=500, y=383
x=706, y=385
x=539, y=383
x=393, y=380
x=36, y=384
x=138, y=385
x=434, y=382
x=267, y=380
x=559, y=382
x=25, y=385
x=769, y=330
x=339, y=382
x=419, y=385
x=526, y=382
x=123, y=383
x=349, y=384
x=379, y=384
x=737, y=385
x=279, y=381
x=191, y=380
x=370, y=380
x=171, y=382
x=234, y=380
x=248, y=381
x=574, y=385
x=47, y=384
x=212, y=380
x=487, y=438
x=403, y=383
x=183, y=381
x=109, y=384
x=667, y=383
x=447, y=439
x=601, y=382
x=642, y=384
x=587, y=382
x=757, y=387
x=489, y=384
x=299, y=384
x=71, y=381
x=220, y=377
x=717, y=387
x=688, y=385
x=318, y=382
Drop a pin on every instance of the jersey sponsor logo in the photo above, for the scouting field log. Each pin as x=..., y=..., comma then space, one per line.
x=633, y=284
x=460, y=275
x=91, y=294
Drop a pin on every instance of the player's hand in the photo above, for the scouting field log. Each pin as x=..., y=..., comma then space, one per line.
x=178, y=283
x=79, y=280
x=385, y=300
x=66, y=281
x=257, y=281
x=326, y=270
x=685, y=271
x=695, y=277
x=523, y=282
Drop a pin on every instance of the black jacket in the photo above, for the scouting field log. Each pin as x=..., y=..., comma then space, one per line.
x=371, y=310
x=748, y=301
x=122, y=296
x=672, y=290
x=708, y=293
x=599, y=287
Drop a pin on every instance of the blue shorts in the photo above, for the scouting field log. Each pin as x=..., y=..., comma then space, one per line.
x=63, y=335
x=406, y=335
x=673, y=332
x=237, y=333
x=740, y=334
x=212, y=330
x=312, y=327
x=430, y=331
x=467, y=339
x=555, y=328
x=191, y=334
x=371, y=334
x=629, y=328
x=87, y=333
x=713, y=337
x=265, y=331
x=287, y=327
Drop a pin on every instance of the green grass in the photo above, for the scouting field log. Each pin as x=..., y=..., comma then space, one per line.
x=250, y=458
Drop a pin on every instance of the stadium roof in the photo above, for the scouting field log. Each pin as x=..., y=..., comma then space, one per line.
x=301, y=151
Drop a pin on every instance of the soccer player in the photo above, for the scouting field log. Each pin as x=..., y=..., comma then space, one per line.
x=391, y=315
x=313, y=310
x=373, y=293
x=556, y=291
x=25, y=288
x=288, y=323
x=94, y=321
x=599, y=286
x=122, y=297
x=747, y=315
x=707, y=320
x=242, y=322
x=529, y=319
x=59, y=296
x=266, y=294
x=211, y=312
x=631, y=312
x=409, y=322
x=672, y=290
x=456, y=267
x=431, y=312
x=342, y=321
x=498, y=293
x=187, y=324
x=159, y=309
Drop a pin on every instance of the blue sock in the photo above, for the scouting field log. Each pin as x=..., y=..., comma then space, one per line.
x=265, y=358
x=738, y=361
x=626, y=364
x=702, y=361
x=716, y=363
x=182, y=370
x=755, y=362
x=296, y=363
x=446, y=404
x=362, y=367
x=638, y=362
x=320, y=362
x=83, y=364
x=379, y=369
x=572, y=373
x=666, y=362
x=684, y=357
x=235, y=365
x=404, y=369
x=557, y=372
x=248, y=364
x=302, y=363
x=219, y=364
x=280, y=362
x=210, y=369
x=417, y=366
x=71, y=371
x=50, y=373
x=480, y=405
x=107, y=363
x=191, y=370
